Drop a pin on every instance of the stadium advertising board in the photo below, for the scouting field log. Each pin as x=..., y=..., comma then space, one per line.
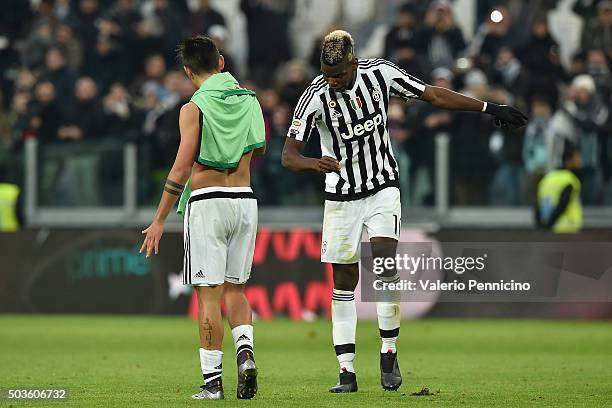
x=81, y=271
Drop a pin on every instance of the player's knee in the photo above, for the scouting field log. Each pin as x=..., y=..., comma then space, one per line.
x=234, y=297
x=346, y=277
x=382, y=249
x=208, y=294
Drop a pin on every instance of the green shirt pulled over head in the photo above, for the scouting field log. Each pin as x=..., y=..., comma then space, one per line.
x=232, y=125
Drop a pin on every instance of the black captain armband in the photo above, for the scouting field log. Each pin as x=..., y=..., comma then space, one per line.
x=173, y=188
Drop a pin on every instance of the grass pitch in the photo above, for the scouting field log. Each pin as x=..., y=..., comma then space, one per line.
x=115, y=361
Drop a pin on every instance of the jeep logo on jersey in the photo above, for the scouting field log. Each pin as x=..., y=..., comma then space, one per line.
x=362, y=127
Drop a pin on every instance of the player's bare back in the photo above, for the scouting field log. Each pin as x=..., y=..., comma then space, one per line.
x=204, y=176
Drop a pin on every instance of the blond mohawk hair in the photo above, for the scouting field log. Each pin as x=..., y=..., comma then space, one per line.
x=337, y=46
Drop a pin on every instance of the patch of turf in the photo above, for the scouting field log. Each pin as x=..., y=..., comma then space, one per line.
x=147, y=361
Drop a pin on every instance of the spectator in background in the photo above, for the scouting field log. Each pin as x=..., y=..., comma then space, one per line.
x=121, y=21
x=506, y=72
x=87, y=16
x=120, y=24
x=293, y=82
x=559, y=207
x=536, y=148
x=36, y=46
x=599, y=34
x=268, y=34
x=46, y=113
x=167, y=133
x=161, y=29
x=507, y=186
x=44, y=13
x=470, y=177
x=159, y=98
x=21, y=100
x=578, y=64
x=428, y=122
x=490, y=37
x=440, y=39
x=408, y=59
x=542, y=63
x=312, y=18
x=151, y=83
x=61, y=9
x=597, y=68
x=62, y=77
x=118, y=110
x=85, y=120
x=285, y=189
x=587, y=10
x=70, y=46
x=402, y=34
x=20, y=118
x=204, y=18
x=25, y=80
x=580, y=120
x=273, y=177
x=107, y=64
x=400, y=134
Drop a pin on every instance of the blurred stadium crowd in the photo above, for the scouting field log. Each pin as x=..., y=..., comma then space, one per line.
x=73, y=71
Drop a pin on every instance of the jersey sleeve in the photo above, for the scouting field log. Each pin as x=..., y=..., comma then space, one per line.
x=401, y=83
x=306, y=111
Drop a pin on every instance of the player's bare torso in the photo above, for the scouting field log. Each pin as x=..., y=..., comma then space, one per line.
x=204, y=176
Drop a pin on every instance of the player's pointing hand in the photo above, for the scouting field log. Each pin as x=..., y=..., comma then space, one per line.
x=152, y=236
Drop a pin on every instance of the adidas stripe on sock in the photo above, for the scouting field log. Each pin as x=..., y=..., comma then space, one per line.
x=211, y=363
x=243, y=338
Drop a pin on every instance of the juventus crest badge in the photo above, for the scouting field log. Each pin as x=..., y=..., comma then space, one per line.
x=376, y=94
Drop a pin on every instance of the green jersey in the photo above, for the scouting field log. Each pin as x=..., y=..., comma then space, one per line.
x=232, y=125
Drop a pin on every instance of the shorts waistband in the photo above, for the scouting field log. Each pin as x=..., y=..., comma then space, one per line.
x=358, y=196
x=221, y=192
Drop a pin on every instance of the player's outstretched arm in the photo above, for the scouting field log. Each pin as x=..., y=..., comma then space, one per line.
x=505, y=116
x=293, y=159
x=189, y=126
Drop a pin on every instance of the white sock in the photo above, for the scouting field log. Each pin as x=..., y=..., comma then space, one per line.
x=344, y=321
x=210, y=361
x=243, y=338
x=388, y=324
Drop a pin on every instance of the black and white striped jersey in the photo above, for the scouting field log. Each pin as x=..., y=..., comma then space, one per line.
x=353, y=127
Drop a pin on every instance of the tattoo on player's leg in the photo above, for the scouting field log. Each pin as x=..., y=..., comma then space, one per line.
x=208, y=328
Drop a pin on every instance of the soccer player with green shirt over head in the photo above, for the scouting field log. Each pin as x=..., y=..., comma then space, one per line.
x=222, y=129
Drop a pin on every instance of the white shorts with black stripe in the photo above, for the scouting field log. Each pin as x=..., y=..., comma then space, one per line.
x=220, y=226
x=343, y=223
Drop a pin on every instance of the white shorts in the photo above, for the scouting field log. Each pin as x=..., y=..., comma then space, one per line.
x=220, y=226
x=343, y=223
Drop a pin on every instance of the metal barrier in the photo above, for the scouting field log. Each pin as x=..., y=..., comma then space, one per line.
x=129, y=214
